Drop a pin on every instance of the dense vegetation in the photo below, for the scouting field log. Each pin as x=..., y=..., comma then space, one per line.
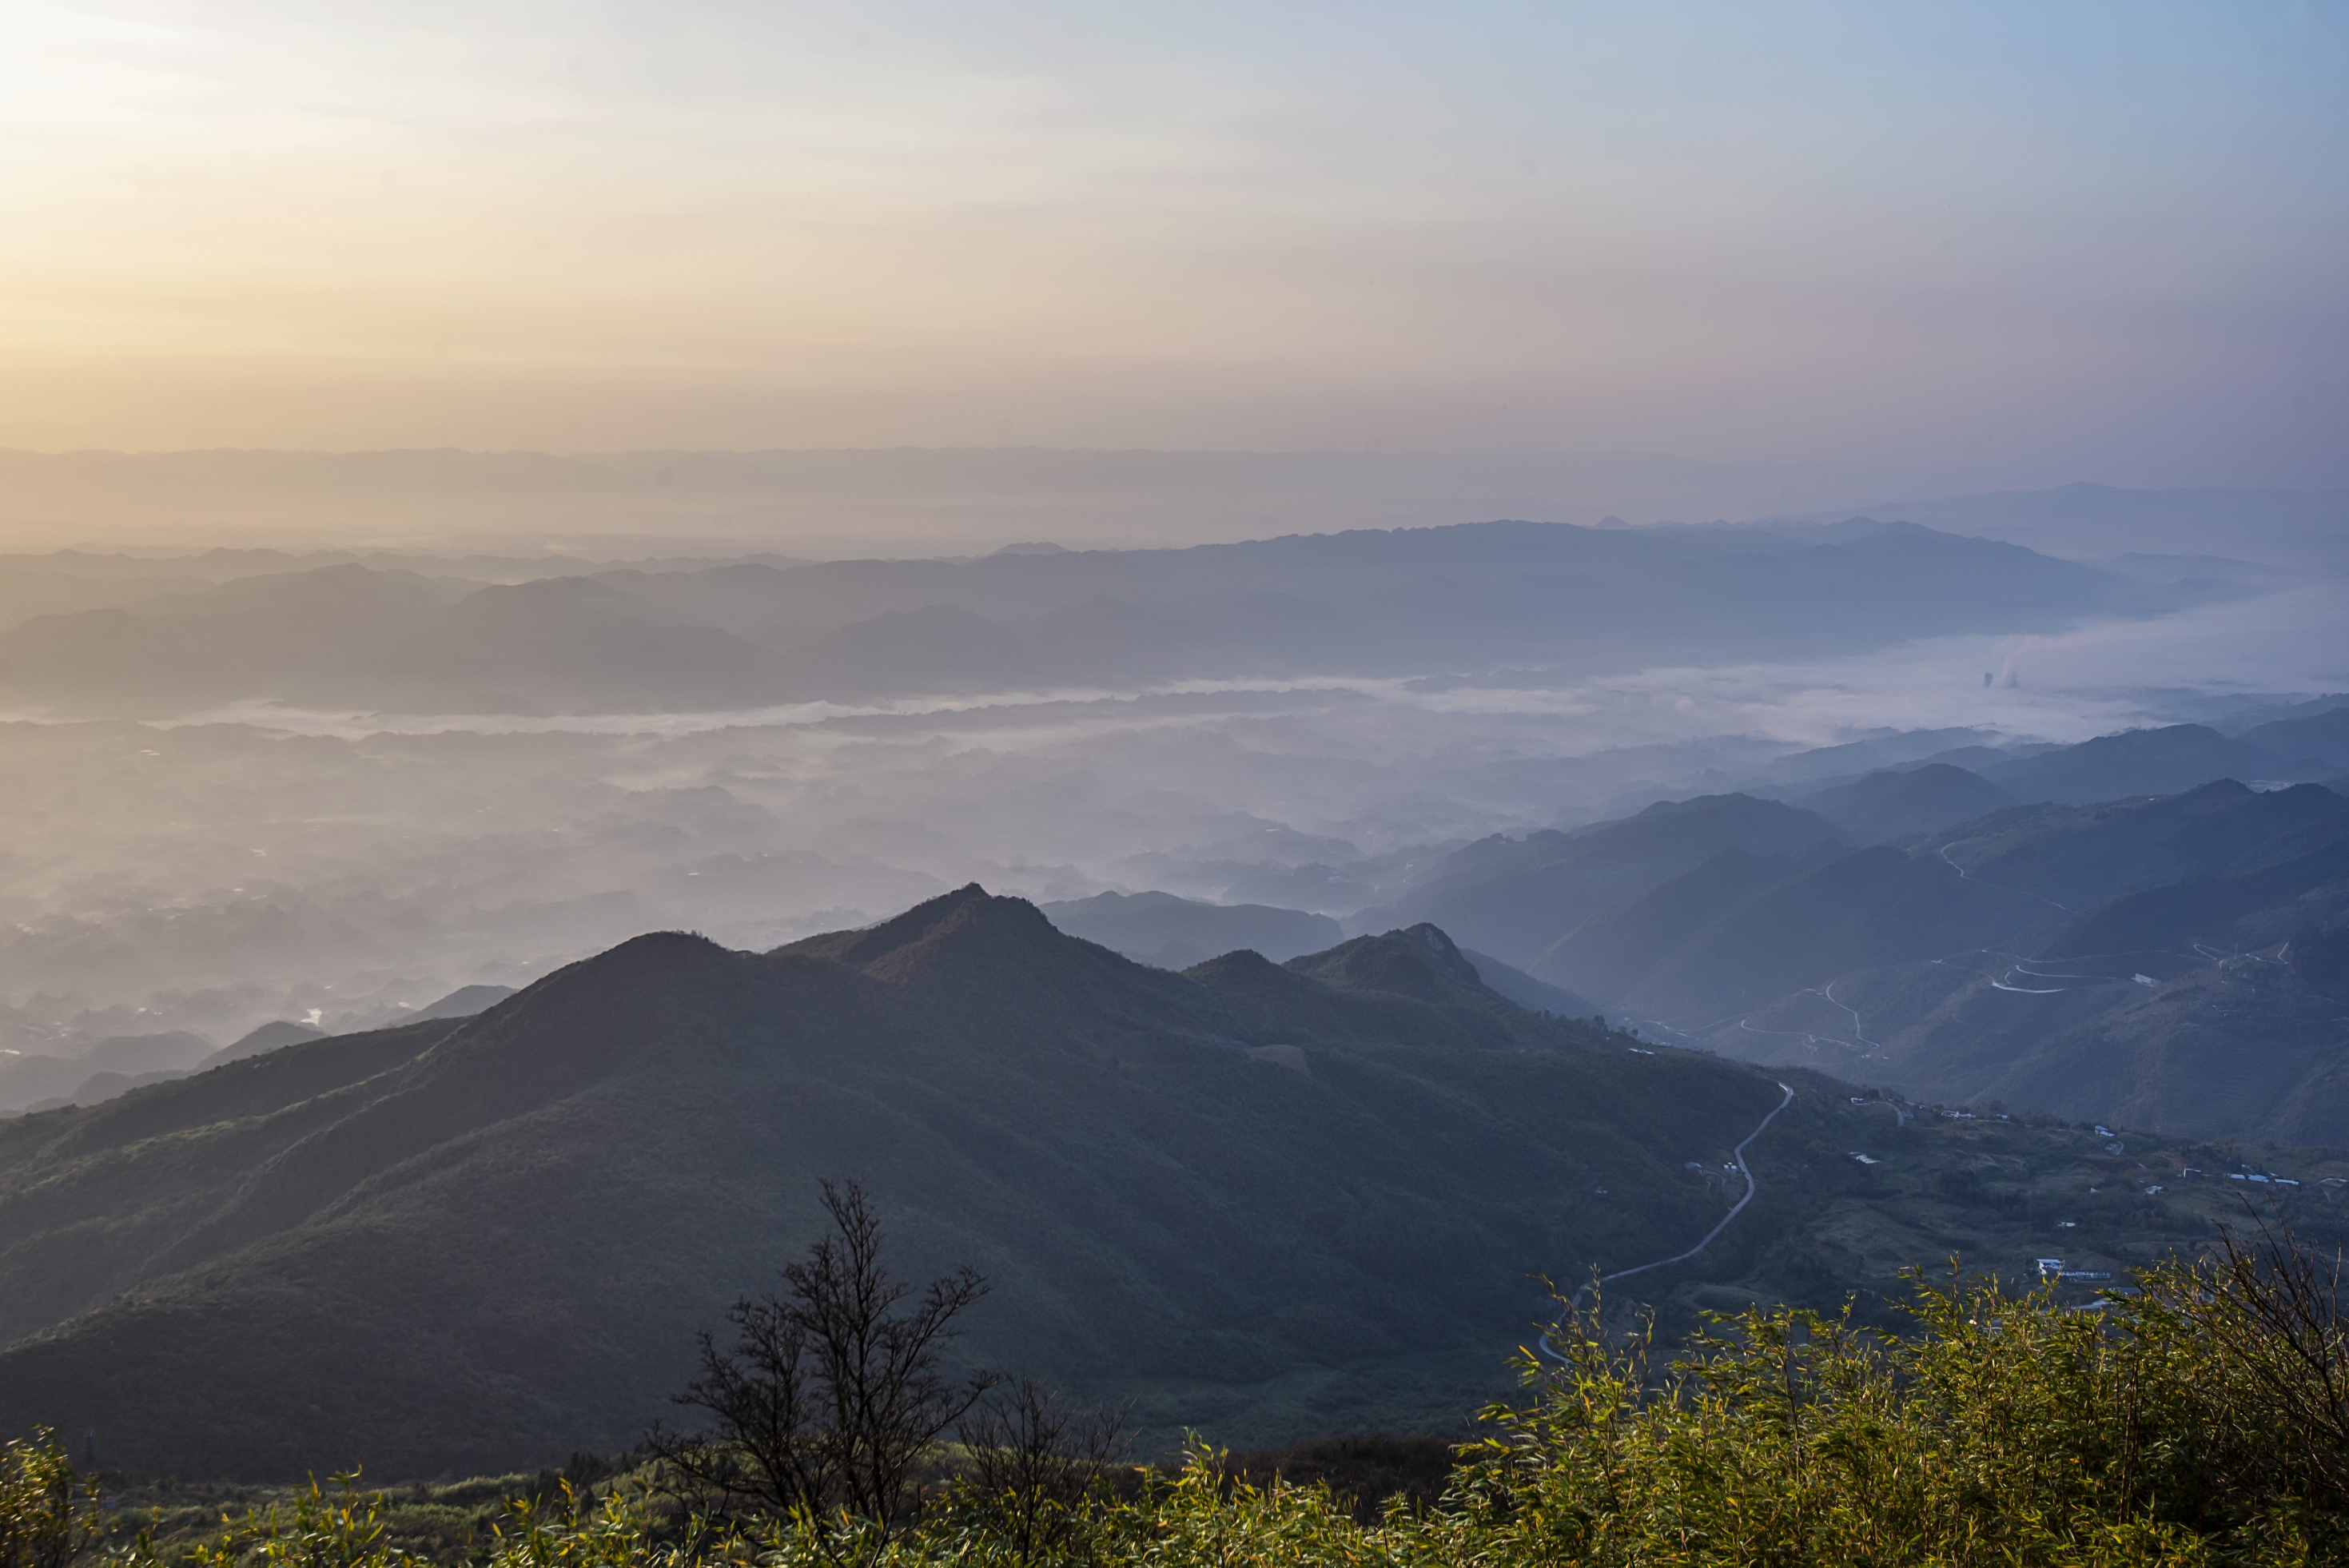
x=2202, y=1418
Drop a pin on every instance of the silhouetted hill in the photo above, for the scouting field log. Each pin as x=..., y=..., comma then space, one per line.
x=1516, y=897
x=1175, y=932
x=1891, y=804
x=474, y=1243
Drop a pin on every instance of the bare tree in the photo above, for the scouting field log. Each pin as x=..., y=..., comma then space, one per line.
x=2279, y=1317
x=2263, y=1328
x=832, y=1392
x=1031, y=1462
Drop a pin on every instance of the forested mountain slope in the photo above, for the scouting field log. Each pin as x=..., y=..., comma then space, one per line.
x=1269, y=1199
x=2129, y=960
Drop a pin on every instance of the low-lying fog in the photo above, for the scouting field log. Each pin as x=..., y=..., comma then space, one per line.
x=210, y=870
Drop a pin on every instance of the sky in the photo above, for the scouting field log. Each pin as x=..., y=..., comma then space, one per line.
x=2015, y=244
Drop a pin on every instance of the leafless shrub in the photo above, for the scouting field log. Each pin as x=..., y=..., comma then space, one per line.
x=831, y=1393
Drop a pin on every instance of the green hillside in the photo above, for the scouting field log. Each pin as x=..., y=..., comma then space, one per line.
x=1263, y=1203
x=1854, y=1191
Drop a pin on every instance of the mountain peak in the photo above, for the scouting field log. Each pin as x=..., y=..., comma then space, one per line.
x=1417, y=961
x=971, y=943
x=861, y=949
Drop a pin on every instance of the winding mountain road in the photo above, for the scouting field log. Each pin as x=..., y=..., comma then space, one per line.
x=1969, y=876
x=1737, y=1156
x=1856, y=1032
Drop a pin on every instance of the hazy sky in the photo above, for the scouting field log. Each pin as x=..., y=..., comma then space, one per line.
x=2023, y=242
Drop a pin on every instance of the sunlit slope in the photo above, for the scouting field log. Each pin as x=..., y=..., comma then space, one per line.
x=473, y=1244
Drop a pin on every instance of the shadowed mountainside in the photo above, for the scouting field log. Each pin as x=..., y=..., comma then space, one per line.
x=1265, y=1199
x=1262, y=1200
x=1516, y=897
x=2127, y=960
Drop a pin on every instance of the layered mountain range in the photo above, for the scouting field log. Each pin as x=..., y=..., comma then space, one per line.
x=1238, y=1193
x=1262, y=1200
x=754, y=634
x=2157, y=958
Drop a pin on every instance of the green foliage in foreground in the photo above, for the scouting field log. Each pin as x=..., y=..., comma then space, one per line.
x=2203, y=1420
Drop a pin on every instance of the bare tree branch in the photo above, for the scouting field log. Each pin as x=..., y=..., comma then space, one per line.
x=830, y=1395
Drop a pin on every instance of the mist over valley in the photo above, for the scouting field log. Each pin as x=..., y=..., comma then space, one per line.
x=1057, y=786
x=325, y=793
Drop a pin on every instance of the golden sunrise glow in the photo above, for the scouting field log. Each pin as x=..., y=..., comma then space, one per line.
x=1507, y=229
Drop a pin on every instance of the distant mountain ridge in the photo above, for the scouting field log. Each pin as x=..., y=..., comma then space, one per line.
x=2159, y=761
x=845, y=498
x=1461, y=598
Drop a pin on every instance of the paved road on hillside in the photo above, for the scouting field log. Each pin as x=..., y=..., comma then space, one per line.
x=1970, y=876
x=1737, y=1156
